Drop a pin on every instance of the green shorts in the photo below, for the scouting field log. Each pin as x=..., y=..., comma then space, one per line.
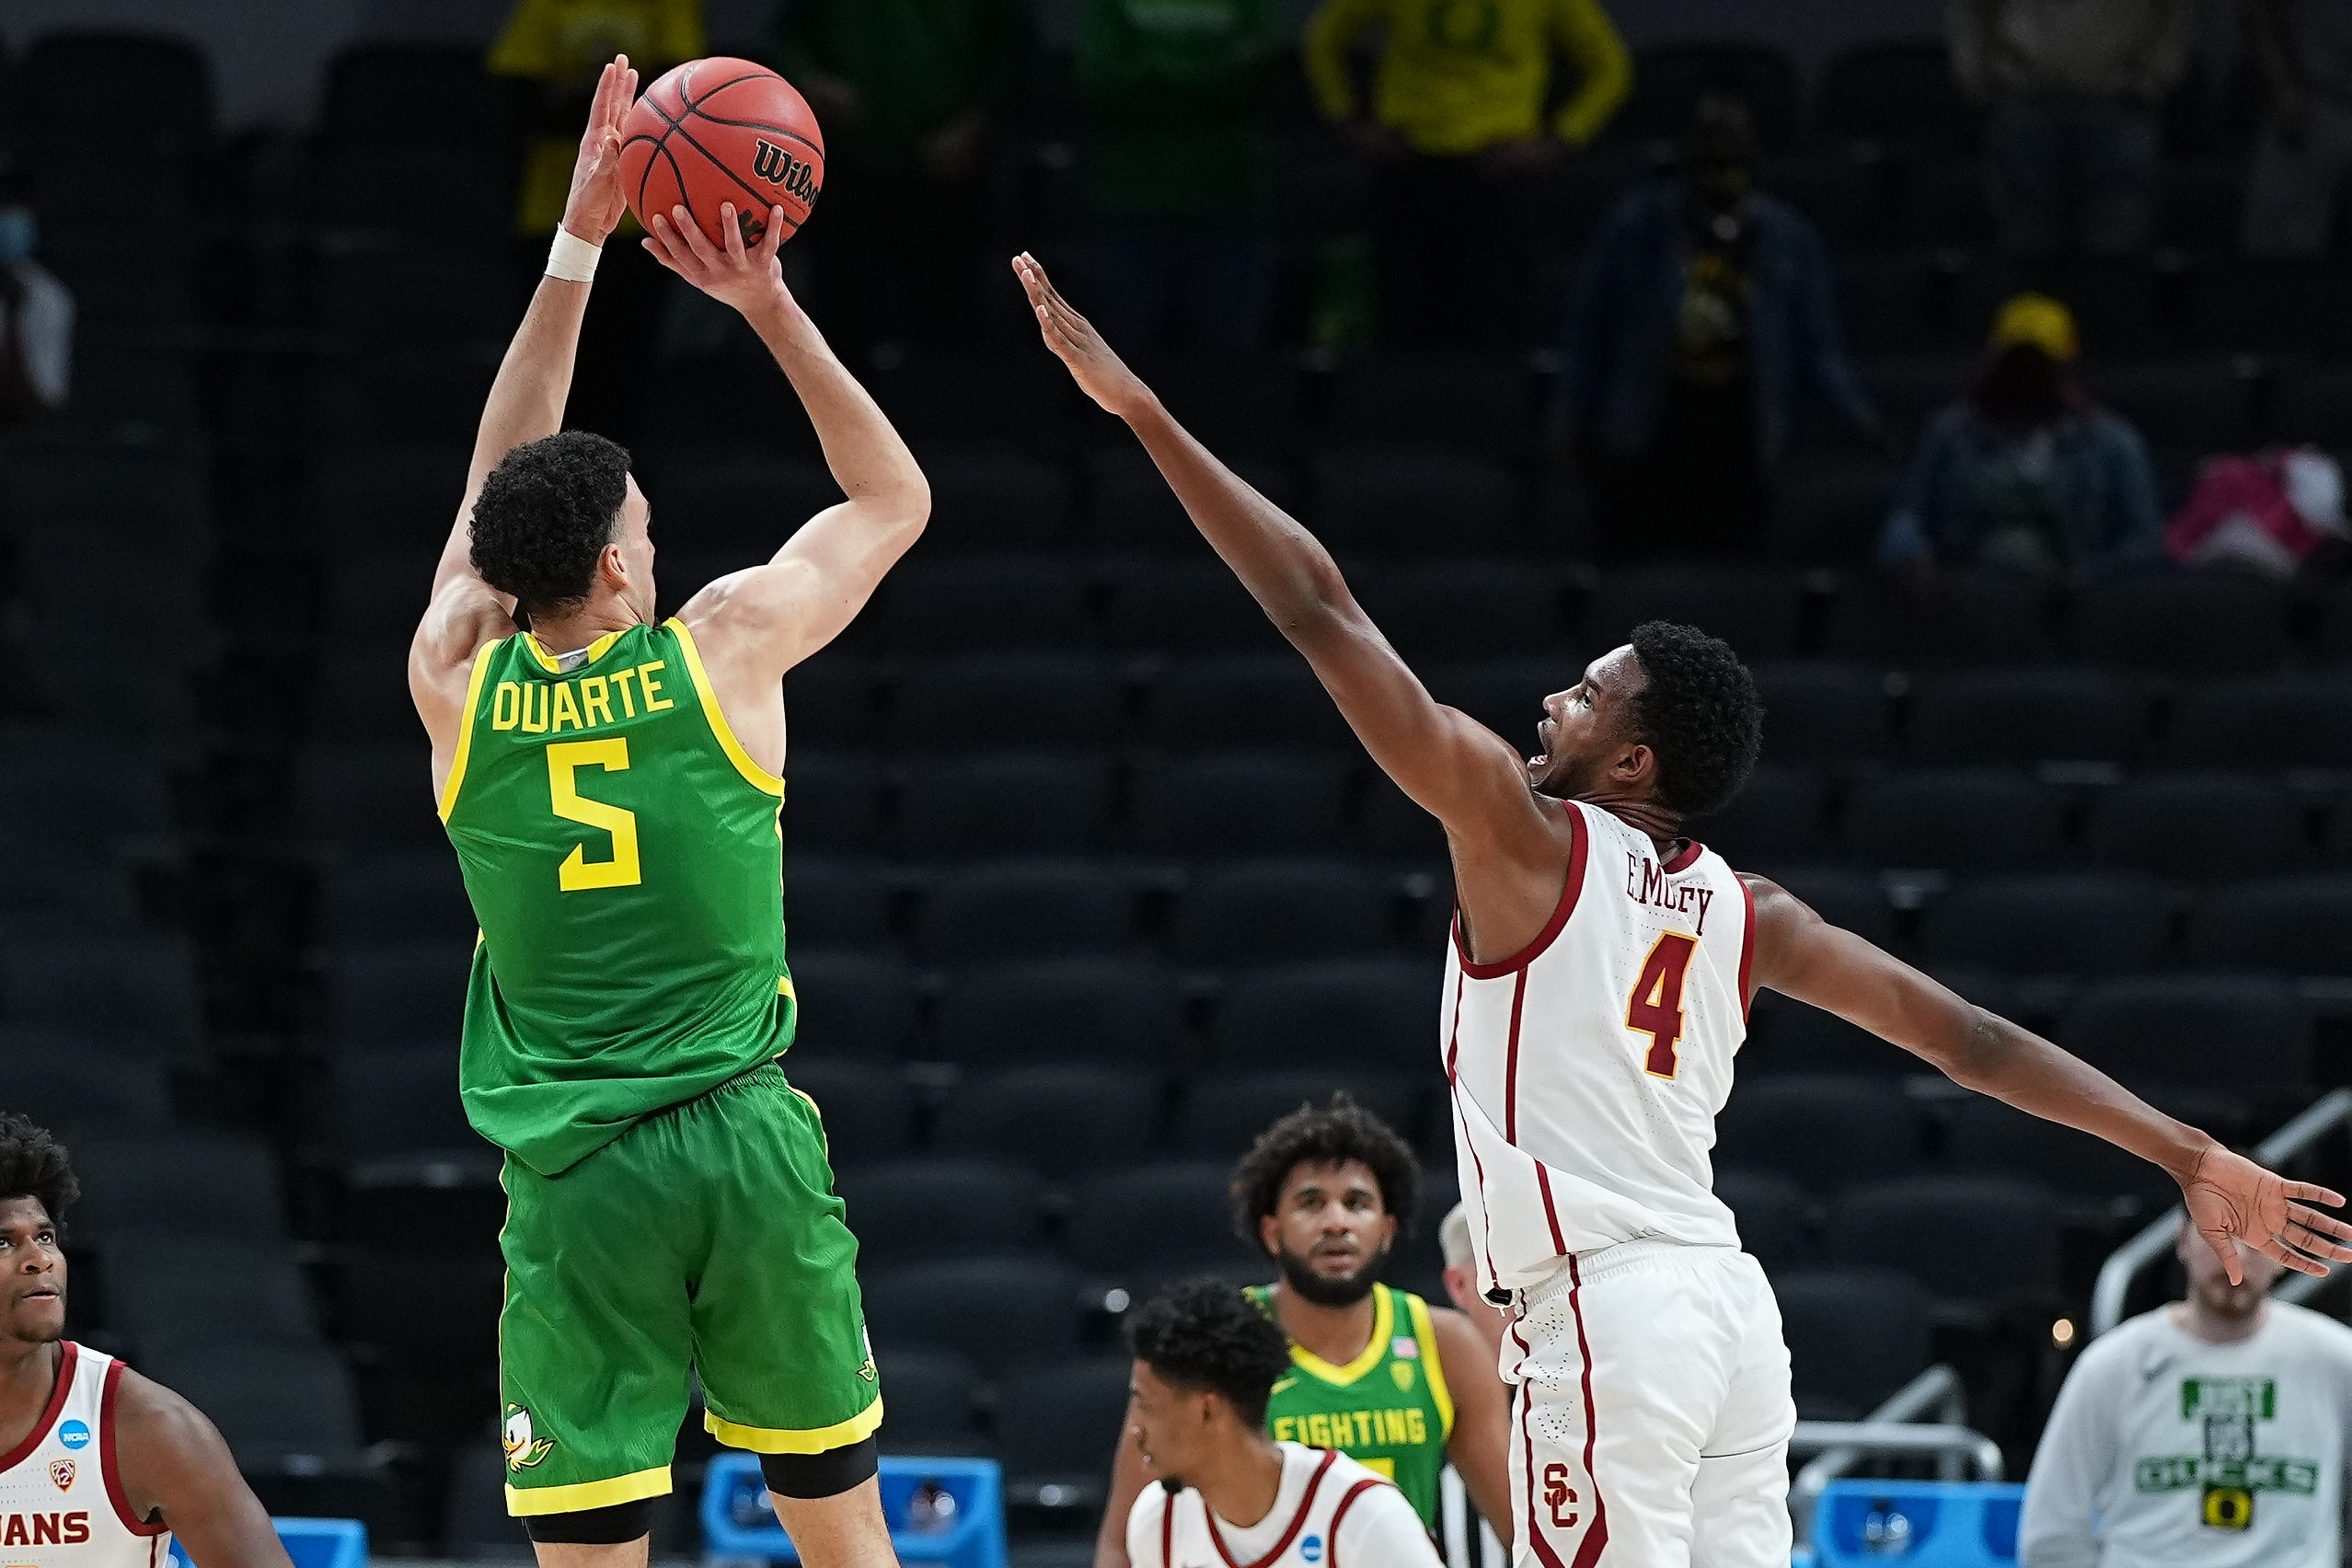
x=706, y=1238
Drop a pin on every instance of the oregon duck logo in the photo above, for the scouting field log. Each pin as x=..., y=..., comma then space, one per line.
x=523, y=1450
x=1402, y=1372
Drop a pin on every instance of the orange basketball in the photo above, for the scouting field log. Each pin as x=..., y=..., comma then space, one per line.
x=721, y=130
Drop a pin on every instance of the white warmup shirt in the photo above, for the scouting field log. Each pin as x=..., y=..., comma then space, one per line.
x=1329, y=1512
x=2168, y=1452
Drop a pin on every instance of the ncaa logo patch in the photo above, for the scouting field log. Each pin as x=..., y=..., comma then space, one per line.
x=75, y=1435
x=1310, y=1548
x=62, y=1473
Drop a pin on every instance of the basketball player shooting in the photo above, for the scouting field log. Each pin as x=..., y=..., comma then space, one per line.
x=611, y=785
x=1596, y=988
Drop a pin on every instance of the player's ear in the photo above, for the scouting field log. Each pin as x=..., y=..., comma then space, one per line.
x=1269, y=1235
x=611, y=567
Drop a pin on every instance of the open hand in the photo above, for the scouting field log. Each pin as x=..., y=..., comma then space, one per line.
x=748, y=279
x=1101, y=374
x=594, y=209
x=2230, y=1198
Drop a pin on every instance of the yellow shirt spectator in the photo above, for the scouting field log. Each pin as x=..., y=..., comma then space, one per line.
x=562, y=45
x=1457, y=75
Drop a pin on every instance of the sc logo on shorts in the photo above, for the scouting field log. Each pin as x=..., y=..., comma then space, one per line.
x=1560, y=1497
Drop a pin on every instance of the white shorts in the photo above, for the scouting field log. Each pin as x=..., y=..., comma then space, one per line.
x=1650, y=1426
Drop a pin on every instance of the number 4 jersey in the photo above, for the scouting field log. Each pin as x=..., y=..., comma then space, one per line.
x=1588, y=1068
x=624, y=857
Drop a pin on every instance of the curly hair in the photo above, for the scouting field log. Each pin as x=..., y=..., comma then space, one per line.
x=1203, y=1335
x=545, y=514
x=33, y=1165
x=1327, y=1135
x=1697, y=714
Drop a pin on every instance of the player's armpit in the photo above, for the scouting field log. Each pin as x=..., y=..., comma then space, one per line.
x=176, y=1470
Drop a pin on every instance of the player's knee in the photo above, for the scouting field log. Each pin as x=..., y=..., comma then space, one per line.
x=812, y=1476
x=621, y=1523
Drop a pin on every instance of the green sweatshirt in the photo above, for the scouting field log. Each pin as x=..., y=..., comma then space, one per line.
x=917, y=63
x=1173, y=90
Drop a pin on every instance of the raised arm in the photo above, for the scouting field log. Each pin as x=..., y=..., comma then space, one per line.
x=758, y=623
x=526, y=402
x=1448, y=762
x=2228, y=1196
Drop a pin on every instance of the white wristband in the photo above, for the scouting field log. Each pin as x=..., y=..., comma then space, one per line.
x=571, y=258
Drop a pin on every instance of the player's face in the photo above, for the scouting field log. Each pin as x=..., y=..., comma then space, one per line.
x=1582, y=732
x=1330, y=1230
x=32, y=1274
x=2208, y=1282
x=636, y=542
x=1168, y=1424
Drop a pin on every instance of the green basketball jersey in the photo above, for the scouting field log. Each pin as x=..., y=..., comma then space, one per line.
x=1389, y=1409
x=625, y=860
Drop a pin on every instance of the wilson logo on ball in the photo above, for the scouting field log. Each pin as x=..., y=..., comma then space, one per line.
x=777, y=166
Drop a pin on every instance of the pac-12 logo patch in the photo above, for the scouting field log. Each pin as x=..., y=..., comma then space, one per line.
x=75, y=1434
x=1310, y=1548
x=522, y=1450
x=62, y=1473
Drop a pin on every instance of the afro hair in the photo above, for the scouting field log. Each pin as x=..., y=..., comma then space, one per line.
x=1697, y=714
x=1323, y=1135
x=545, y=514
x=1203, y=1335
x=33, y=1165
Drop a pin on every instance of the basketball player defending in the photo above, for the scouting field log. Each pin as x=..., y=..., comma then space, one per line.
x=1597, y=988
x=612, y=789
x=99, y=1468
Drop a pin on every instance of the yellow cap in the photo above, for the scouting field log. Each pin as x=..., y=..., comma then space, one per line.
x=2038, y=320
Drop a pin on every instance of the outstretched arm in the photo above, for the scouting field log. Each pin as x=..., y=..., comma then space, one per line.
x=526, y=403
x=2228, y=1196
x=763, y=621
x=176, y=1473
x=1452, y=766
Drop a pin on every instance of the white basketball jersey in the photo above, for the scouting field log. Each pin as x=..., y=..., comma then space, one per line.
x=61, y=1497
x=1329, y=1512
x=1588, y=1068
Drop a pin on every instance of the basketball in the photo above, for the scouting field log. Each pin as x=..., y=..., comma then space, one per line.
x=721, y=130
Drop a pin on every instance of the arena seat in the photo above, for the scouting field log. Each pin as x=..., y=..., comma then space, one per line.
x=377, y=796
x=1005, y=803
x=164, y=1288
x=1163, y=1216
x=1261, y=912
x=1820, y=1129
x=838, y=900
x=1053, y=1427
x=138, y=993
x=2293, y=925
x=402, y=294
x=1822, y=712
x=473, y=1520
x=999, y=1312
x=387, y=495
x=732, y=501
x=358, y=701
x=862, y=1104
x=281, y=1406
x=426, y=1368
x=442, y=88
x=387, y=898
x=394, y=993
x=1854, y=1335
x=996, y=500
x=1066, y=1007
x=830, y=702
x=1390, y=501
x=1984, y=1136
x=2197, y=827
x=2313, y=400
x=2195, y=405
x=1471, y=609
x=1234, y=704
x=1361, y=1013
x=907, y=1211
x=2190, y=624
x=2024, y=717
x=1220, y=1116
x=1389, y=827
x=1128, y=507
x=1977, y=820
x=1059, y=1120
x=1972, y=619
x=856, y=1003
x=1223, y=805
x=1023, y=700
x=2281, y=721
x=1782, y=815
x=933, y=1401
x=1484, y=404
x=71, y=1087
x=2243, y=1034
x=1852, y=900
x=192, y=1183
x=1899, y=93
x=399, y=1105
x=153, y=88
x=1505, y=694
x=1753, y=608
x=979, y=603
x=1995, y=1238
x=1188, y=607
x=1786, y=1036
x=1669, y=79
x=832, y=801
x=1774, y=1215
x=2051, y=923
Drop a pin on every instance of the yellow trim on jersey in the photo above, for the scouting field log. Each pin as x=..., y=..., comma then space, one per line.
x=1384, y=1327
x=814, y=1440
x=465, y=729
x=525, y=1501
x=754, y=774
x=554, y=666
x=1433, y=1364
x=784, y=987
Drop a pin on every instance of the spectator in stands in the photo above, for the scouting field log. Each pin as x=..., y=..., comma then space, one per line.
x=912, y=96
x=1176, y=166
x=2026, y=473
x=1703, y=315
x=2302, y=50
x=2072, y=88
x=552, y=52
x=36, y=312
x=1462, y=147
x=2208, y=1431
